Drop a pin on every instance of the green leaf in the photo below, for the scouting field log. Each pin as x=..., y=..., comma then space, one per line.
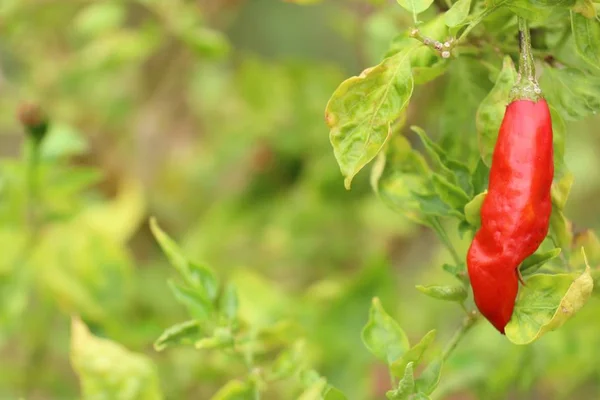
x=309, y=377
x=448, y=293
x=108, y=371
x=383, y=336
x=415, y=6
x=545, y=303
x=398, y=176
x=491, y=110
x=449, y=193
x=561, y=189
x=413, y=355
x=538, y=10
x=187, y=332
x=480, y=177
x=288, y=362
x=86, y=272
x=537, y=260
x=62, y=141
x=574, y=94
x=473, y=210
x=172, y=251
x=586, y=33
x=458, y=13
x=434, y=206
x=99, y=18
x=362, y=109
x=235, y=390
x=560, y=229
x=406, y=386
x=430, y=378
x=558, y=141
x=205, y=278
x=205, y=41
x=228, y=304
x=468, y=83
x=200, y=278
x=221, y=338
x=120, y=218
x=456, y=172
x=315, y=391
x=199, y=307
x=332, y=393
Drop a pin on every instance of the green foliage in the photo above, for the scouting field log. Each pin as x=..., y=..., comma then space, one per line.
x=491, y=110
x=586, y=34
x=383, y=336
x=545, y=303
x=450, y=293
x=362, y=109
x=458, y=13
x=109, y=371
x=209, y=115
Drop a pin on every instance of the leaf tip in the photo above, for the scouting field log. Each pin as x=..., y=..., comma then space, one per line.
x=348, y=182
x=153, y=225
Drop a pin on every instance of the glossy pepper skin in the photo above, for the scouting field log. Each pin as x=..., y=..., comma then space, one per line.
x=516, y=211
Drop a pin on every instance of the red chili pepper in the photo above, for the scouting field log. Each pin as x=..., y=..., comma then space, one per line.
x=516, y=211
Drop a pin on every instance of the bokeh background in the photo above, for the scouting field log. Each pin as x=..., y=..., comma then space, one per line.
x=208, y=115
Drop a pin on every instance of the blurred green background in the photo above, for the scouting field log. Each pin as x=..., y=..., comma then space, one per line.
x=208, y=115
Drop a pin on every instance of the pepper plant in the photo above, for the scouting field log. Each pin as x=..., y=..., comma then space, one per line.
x=208, y=115
x=443, y=187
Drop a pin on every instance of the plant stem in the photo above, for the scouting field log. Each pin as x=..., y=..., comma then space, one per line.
x=38, y=349
x=441, y=232
x=526, y=87
x=467, y=324
x=526, y=63
x=32, y=182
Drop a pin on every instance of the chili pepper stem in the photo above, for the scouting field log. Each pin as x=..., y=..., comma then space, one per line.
x=441, y=232
x=526, y=87
x=467, y=324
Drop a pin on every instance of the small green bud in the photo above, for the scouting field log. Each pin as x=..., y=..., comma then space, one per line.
x=34, y=120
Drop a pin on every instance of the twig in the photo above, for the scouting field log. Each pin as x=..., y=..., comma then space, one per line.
x=467, y=324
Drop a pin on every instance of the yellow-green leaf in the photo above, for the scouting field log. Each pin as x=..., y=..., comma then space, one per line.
x=86, y=272
x=187, y=332
x=545, y=303
x=235, y=390
x=383, y=336
x=561, y=189
x=362, y=109
x=449, y=293
x=586, y=33
x=537, y=260
x=457, y=14
x=120, y=217
x=108, y=371
x=415, y=6
x=473, y=210
x=406, y=386
x=413, y=355
x=398, y=175
x=491, y=110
